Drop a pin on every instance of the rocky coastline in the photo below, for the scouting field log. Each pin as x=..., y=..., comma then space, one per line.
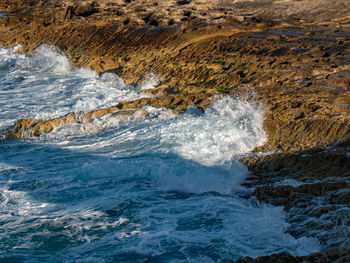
x=293, y=56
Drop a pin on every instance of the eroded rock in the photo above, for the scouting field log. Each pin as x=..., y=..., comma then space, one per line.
x=296, y=64
x=124, y=111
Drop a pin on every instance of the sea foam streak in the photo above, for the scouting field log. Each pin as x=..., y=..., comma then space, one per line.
x=159, y=189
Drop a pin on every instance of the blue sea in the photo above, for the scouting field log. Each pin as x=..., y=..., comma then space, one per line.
x=164, y=188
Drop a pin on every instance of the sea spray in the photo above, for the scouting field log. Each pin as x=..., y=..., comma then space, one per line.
x=227, y=129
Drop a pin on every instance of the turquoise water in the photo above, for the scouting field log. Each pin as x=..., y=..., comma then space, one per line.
x=159, y=189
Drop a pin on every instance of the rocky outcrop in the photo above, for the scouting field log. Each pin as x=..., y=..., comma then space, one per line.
x=314, y=188
x=123, y=111
x=293, y=56
x=25, y=128
x=284, y=257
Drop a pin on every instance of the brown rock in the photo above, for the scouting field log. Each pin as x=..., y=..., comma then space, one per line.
x=292, y=56
x=85, y=10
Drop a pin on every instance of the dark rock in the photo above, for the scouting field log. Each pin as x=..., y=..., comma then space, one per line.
x=183, y=2
x=84, y=10
x=335, y=256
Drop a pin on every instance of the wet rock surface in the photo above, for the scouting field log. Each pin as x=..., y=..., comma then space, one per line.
x=293, y=56
x=314, y=189
x=123, y=111
x=331, y=257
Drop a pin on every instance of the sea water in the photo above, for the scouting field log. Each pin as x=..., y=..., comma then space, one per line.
x=159, y=189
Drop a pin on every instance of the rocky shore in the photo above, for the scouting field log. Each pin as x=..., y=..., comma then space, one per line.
x=293, y=56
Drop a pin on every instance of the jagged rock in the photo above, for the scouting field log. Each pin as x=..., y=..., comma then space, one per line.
x=25, y=128
x=124, y=111
x=85, y=10
x=81, y=9
x=284, y=257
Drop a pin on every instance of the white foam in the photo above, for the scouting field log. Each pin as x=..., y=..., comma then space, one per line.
x=45, y=85
x=19, y=203
x=5, y=167
x=291, y=182
x=45, y=59
x=10, y=52
x=242, y=227
x=150, y=82
x=227, y=129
